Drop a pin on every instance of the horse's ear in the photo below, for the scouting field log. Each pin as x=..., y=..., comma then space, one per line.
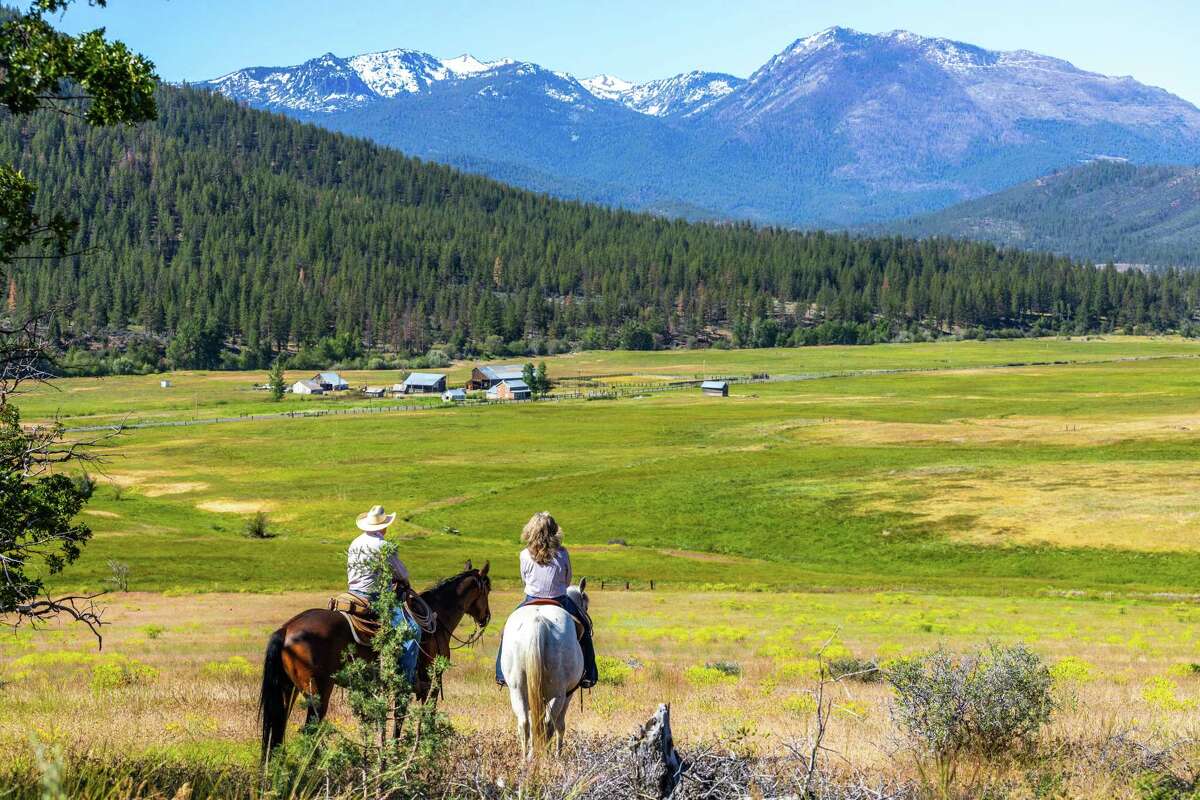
x=486, y=566
x=582, y=584
x=468, y=565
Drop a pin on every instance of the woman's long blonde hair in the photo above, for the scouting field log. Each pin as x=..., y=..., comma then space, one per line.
x=542, y=536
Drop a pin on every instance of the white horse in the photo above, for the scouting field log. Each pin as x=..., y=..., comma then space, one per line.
x=542, y=664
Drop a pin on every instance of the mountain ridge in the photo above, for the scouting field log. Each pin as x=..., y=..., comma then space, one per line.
x=840, y=128
x=1105, y=211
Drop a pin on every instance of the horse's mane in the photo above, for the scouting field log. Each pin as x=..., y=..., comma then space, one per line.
x=441, y=586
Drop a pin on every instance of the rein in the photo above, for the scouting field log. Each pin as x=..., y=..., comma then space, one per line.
x=475, y=636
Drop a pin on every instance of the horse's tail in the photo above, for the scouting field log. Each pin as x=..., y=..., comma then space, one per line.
x=276, y=694
x=535, y=679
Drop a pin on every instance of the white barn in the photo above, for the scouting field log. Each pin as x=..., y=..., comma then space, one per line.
x=307, y=387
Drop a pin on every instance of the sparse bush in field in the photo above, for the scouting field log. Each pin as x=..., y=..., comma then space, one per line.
x=707, y=676
x=799, y=670
x=1159, y=693
x=118, y=575
x=730, y=668
x=799, y=704
x=991, y=703
x=613, y=671
x=115, y=672
x=257, y=526
x=118, y=491
x=1072, y=670
x=234, y=668
x=1165, y=786
x=853, y=668
x=1188, y=670
x=84, y=484
x=152, y=631
x=618, y=542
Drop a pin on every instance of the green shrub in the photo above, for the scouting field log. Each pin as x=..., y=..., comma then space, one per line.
x=707, y=676
x=986, y=703
x=730, y=668
x=613, y=671
x=235, y=668
x=257, y=526
x=853, y=668
x=116, y=672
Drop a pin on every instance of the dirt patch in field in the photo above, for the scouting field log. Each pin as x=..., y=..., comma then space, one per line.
x=695, y=555
x=183, y=487
x=236, y=506
x=95, y=512
x=1124, y=505
x=1046, y=430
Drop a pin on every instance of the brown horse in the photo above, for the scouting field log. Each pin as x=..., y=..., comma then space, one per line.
x=303, y=656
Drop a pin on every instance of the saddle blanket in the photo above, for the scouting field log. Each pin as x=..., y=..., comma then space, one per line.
x=580, y=625
x=358, y=613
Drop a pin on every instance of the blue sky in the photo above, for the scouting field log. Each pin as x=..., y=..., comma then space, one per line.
x=1153, y=40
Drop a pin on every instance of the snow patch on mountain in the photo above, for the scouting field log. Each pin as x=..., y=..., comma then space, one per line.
x=606, y=87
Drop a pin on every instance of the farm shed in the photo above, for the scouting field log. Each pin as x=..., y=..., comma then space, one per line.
x=487, y=377
x=715, y=388
x=374, y=391
x=307, y=387
x=512, y=389
x=424, y=383
x=454, y=396
x=330, y=381
x=164, y=384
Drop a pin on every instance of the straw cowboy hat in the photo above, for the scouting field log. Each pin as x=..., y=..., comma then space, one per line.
x=375, y=520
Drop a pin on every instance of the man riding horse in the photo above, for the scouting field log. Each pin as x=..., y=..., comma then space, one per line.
x=365, y=581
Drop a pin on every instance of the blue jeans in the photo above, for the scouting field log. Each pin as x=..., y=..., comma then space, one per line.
x=590, y=672
x=412, y=645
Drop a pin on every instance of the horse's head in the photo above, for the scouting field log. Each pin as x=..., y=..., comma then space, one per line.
x=579, y=595
x=473, y=591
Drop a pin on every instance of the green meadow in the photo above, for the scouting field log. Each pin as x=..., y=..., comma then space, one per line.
x=1075, y=470
x=200, y=395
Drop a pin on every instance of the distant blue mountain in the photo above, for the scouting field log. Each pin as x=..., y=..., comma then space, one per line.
x=841, y=128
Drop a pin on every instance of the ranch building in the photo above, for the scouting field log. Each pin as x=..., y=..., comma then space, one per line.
x=330, y=381
x=307, y=387
x=487, y=377
x=454, y=396
x=715, y=388
x=374, y=391
x=511, y=389
x=424, y=383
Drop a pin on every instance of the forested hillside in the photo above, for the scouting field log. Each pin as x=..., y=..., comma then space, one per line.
x=228, y=227
x=1103, y=211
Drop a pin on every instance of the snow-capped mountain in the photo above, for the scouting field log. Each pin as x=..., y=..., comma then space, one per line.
x=840, y=127
x=680, y=96
x=324, y=84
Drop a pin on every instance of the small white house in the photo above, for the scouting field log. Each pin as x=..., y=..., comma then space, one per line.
x=164, y=384
x=307, y=387
x=454, y=396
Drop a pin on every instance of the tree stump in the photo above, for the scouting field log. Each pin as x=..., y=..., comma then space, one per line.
x=657, y=766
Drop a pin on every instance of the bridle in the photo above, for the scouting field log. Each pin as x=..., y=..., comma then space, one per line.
x=477, y=634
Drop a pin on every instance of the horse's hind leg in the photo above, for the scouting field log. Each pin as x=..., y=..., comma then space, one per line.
x=557, y=712
x=318, y=700
x=516, y=695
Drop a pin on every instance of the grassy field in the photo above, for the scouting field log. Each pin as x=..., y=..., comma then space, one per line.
x=1122, y=667
x=1051, y=502
x=89, y=401
x=1006, y=480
